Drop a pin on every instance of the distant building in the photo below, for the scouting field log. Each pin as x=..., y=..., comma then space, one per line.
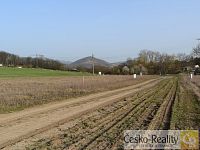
x=1, y=65
x=187, y=69
x=197, y=71
x=75, y=70
x=125, y=70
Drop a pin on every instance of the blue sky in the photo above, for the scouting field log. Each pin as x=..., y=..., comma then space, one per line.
x=111, y=29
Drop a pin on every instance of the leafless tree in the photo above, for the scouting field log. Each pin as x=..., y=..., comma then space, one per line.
x=196, y=51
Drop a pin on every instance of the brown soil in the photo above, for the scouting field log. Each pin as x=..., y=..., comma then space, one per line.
x=21, y=125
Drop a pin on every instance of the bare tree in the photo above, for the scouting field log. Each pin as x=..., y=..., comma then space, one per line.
x=143, y=56
x=125, y=70
x=196, y=50
x=146, y=56
x=181, y=56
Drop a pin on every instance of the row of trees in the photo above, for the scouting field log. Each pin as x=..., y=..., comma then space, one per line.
x=154, y=62
x=147, y=62
x=12, y=60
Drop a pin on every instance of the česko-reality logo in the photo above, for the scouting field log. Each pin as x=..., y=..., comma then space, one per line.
x=161, y=139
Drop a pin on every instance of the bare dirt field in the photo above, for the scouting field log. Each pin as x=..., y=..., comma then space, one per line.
x=28, y=122
x=19, y=93
x=97, y=121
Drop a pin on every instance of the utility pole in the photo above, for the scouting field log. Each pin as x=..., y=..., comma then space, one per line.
x=93, y=64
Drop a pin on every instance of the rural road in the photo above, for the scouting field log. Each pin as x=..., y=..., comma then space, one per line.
x=17, y=126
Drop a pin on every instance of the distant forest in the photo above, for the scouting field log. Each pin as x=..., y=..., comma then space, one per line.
x=11, y=60
x=153, y=62
x=147, y=62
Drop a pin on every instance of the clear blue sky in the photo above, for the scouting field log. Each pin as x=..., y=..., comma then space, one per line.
x=111, y=29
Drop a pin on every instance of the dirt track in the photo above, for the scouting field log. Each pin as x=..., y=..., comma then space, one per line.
x=20, y=125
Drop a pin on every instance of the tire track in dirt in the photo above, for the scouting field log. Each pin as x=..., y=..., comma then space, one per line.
x=146, y=116
x=162, y=118
x=143, y=113
x=5, y=118
x=40, y=120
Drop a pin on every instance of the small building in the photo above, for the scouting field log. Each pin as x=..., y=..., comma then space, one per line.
x=187, y=69
x=197, y=71
x=1, y=65
x=125, y=70
x=74, y=70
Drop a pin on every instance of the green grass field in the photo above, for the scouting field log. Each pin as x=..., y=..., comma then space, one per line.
x=33, y=72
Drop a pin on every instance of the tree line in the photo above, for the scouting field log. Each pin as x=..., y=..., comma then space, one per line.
x=147, y=62
x=11, y=60
x=154, y=62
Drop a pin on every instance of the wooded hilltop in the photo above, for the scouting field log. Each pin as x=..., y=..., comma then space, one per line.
x=147, y=62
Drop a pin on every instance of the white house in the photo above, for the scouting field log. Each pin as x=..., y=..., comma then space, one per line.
x=1, y=65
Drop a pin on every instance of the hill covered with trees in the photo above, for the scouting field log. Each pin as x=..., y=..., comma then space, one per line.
x=11, y=60
x=147, y=62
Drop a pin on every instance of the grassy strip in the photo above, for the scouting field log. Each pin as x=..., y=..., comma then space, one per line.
x=186, y=109
x=6, y=72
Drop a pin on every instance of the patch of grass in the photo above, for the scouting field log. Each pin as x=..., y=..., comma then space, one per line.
x=186, y=109
x=36, y=72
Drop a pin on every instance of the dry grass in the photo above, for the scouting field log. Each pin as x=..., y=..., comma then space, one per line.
x=19, y=93
x=196, y=80
x=186, y=107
